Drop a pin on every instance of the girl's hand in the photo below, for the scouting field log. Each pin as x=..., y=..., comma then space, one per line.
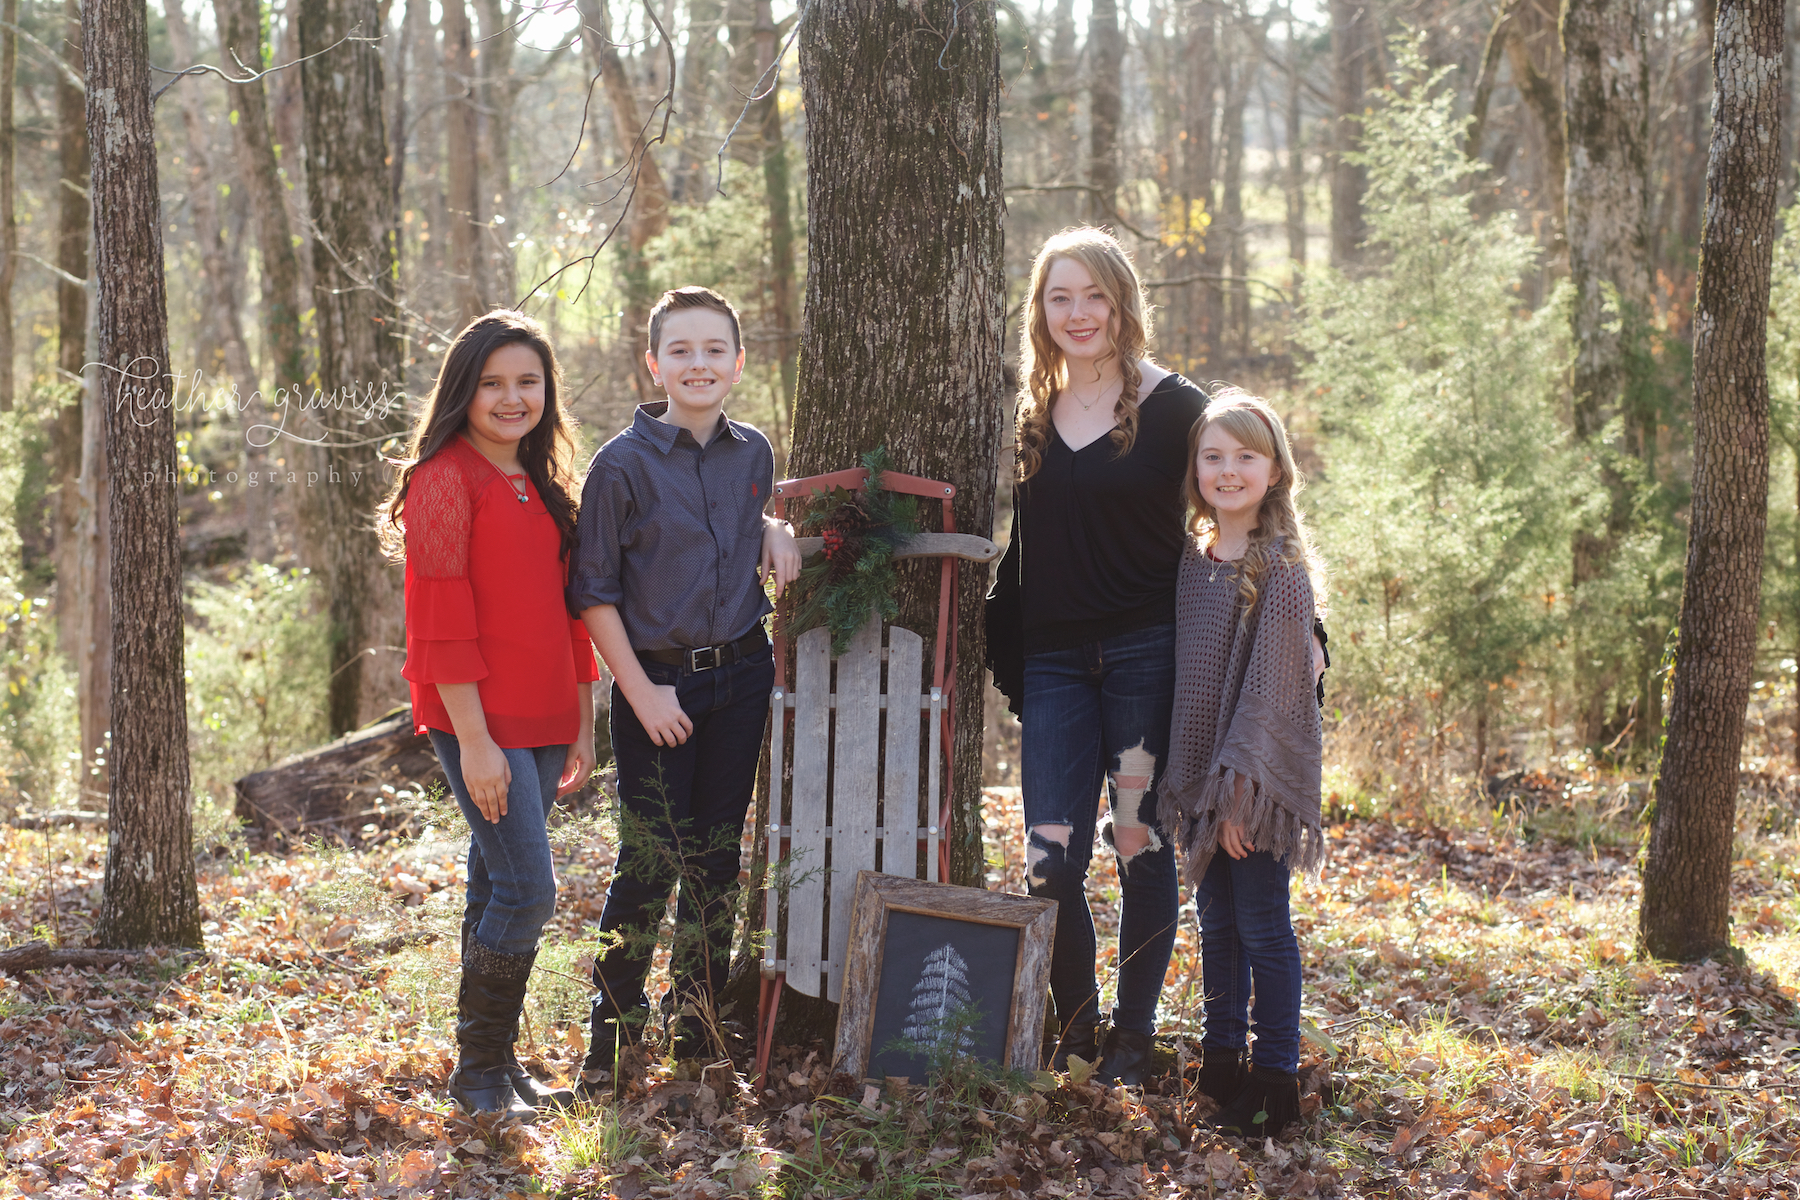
x=1231, y=840
x=577, y=766
x=659, y=712
x=780, y=554
x=487, y=776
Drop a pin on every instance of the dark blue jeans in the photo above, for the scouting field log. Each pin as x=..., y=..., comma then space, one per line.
x=681, y=818
x=512, y=881
x=1098, y=715
x=1247, y=943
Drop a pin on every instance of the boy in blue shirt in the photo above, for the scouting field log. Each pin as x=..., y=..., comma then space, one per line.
x=668, y=580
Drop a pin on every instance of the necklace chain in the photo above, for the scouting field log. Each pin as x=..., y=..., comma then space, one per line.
x=1088, y=406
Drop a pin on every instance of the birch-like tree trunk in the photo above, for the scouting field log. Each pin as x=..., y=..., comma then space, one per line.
x=920, y=221
x=9, y=230
x=1686, y=908
x=217, y=264
x=462, y=150
x=1606, y=82
x=1353, y=38
x=1106, y=50
x=359, y=353
x=783, y=309
x=149, y=896
x=649, y=191
x=84, y=610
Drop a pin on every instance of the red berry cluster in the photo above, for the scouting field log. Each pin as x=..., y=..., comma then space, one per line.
x=834, y=542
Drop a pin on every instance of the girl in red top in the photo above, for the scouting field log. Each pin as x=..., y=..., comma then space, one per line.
x=483, y=516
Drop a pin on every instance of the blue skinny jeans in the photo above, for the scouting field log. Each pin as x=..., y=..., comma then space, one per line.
x=512, y=881
x=1097, y=715
x=1247, y=946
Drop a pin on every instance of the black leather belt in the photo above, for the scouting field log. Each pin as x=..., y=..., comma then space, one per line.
x=706, y=658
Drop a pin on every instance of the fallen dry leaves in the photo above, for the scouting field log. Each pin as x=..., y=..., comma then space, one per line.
x=1478, y=1028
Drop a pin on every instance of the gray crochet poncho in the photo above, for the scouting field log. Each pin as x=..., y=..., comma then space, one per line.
x=1245, y=709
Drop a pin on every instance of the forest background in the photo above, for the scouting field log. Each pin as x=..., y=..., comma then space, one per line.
x=1361, y=211
x=1506, y=564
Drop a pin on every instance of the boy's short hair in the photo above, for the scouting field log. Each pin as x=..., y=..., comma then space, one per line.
x=692, y=297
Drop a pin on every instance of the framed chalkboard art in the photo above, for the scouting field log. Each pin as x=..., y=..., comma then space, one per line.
x=934, y=970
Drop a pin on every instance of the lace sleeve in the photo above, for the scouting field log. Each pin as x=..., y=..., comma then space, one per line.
x=440, y=606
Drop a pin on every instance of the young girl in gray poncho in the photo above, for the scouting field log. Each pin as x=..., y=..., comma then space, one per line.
x=1244, y=750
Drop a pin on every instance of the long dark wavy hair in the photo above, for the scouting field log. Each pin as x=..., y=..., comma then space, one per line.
x=547, y=453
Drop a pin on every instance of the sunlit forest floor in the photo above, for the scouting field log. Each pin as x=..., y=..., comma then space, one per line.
x=1479, y=1028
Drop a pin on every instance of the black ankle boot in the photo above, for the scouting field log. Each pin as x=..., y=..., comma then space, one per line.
x=1081, y=1038
x=1268, y=1103
x=487, y=1008
x=1222, y=1074
x=1126, y=1057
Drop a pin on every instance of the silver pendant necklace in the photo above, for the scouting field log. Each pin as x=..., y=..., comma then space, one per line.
x=518, y=492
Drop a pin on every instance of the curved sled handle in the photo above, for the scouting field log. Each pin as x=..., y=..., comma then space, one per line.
x=925, y=545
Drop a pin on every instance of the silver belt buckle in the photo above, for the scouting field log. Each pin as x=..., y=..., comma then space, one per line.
x=695, y=660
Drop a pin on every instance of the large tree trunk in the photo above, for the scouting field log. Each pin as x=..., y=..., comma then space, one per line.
x=783, y=310
x=649, y=193
x=1353, y=38
x=149, y=895
x=924, y=220
x=1246, y=35
x=1106, y=50
x=1696, y=100
x=1535, y=55
x=462, y=149
x=1606, y=82
x=359, y=350
x=84, y=611
x=1686, y=911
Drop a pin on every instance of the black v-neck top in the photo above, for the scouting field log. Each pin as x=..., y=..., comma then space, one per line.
x=1101, y=534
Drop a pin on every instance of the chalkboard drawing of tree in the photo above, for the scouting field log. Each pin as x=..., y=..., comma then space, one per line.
x=939, y=1024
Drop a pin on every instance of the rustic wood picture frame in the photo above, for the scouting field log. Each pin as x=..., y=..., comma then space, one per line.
x=878, y=896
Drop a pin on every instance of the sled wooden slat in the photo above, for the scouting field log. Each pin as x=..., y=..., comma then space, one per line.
x=855, y=757
x=902, y=813
x=807, y=851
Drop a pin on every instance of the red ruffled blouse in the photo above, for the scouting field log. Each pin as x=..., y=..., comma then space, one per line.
x=484, y=603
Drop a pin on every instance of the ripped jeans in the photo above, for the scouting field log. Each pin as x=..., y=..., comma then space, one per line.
x=1098, y=715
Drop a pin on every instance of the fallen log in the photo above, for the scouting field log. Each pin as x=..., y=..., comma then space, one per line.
x=370, y=777
x=37, y=956
x=55, y=820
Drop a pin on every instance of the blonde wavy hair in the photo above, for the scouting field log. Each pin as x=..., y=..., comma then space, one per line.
x=1280, y=534
x=1042, y=371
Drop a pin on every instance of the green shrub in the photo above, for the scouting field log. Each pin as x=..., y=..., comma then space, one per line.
x=1450, y=491
x=256, y=671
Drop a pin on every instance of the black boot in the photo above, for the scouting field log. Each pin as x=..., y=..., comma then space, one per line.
x=528, y=1088
x=487, y=1008
x=1081, y=1038
x=1268, y=1103
x=1222, y=1074
x=1125, y=1058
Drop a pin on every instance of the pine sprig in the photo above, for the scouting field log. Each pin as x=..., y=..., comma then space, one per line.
x=853, y=576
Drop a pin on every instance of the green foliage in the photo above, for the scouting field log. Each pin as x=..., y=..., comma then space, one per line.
x=1450, y=491
x=40, y=761
x=256, y=668
x=853, y=576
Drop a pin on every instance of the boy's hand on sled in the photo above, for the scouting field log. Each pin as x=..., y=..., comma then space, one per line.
x=780, y=555
x=487, y=777
x=659, y=712
x=577, y=766
x=1232, y=841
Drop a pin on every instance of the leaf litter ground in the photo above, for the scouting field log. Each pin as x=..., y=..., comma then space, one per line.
x=1477, y=1027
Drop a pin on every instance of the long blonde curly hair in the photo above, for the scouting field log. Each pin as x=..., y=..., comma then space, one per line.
x=1042, y=371
x=1280, y=534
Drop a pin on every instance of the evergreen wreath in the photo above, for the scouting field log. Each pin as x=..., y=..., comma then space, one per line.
x=840, y=585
